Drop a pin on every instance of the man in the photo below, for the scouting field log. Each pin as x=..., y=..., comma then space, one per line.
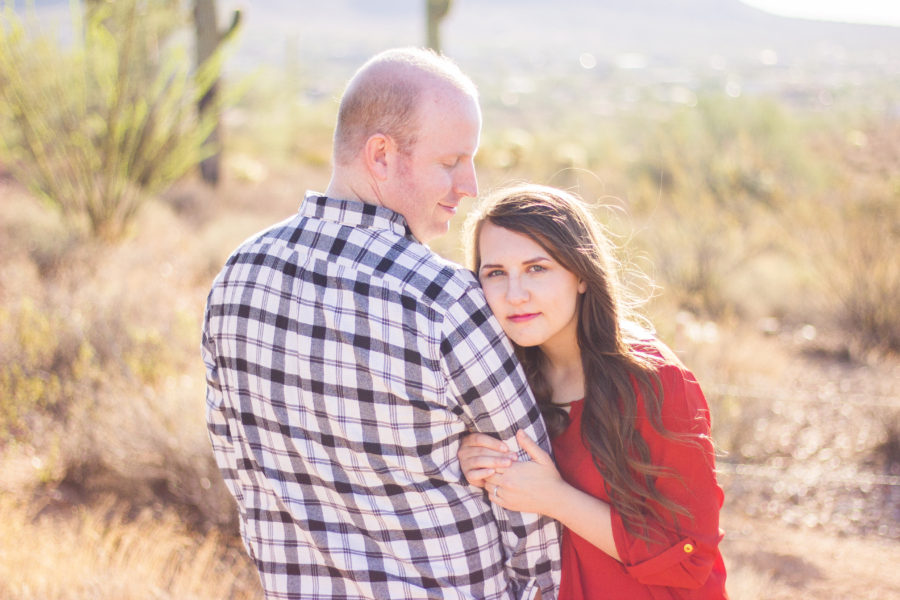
x=345, y=360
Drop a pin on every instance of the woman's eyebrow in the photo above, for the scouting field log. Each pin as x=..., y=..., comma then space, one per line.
x=530, y=261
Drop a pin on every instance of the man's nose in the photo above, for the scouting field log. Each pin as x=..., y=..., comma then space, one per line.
x=467, y=181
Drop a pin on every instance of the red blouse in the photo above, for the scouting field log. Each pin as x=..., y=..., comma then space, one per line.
x=688, y=563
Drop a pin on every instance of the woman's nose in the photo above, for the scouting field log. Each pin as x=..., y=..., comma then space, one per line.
x=516, y=293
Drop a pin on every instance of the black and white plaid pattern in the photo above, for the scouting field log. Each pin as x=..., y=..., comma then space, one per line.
x=344, y=362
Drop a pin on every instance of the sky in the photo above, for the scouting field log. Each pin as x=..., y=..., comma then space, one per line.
x=879, y=12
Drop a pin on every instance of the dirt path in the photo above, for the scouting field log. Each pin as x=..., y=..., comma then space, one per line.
x=811, y=471
x=769, y=560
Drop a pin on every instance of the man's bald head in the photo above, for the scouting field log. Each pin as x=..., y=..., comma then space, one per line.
x=383, y=95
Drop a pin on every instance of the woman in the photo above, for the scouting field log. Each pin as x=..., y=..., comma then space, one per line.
x=634, y=484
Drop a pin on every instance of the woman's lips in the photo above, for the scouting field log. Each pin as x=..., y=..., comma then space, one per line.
x=521, y=318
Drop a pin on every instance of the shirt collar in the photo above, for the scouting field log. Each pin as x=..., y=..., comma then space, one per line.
x=353, y=213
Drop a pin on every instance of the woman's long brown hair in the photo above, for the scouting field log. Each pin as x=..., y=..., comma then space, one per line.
x=613, y=362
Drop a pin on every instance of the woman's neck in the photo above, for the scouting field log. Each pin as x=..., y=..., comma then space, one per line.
x=565, y=374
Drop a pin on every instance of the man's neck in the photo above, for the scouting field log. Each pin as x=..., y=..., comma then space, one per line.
x=344, y=187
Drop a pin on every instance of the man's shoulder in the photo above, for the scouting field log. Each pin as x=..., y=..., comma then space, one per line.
x=437, y=280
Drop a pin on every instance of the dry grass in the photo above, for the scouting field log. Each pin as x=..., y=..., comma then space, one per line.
x=96, y=553
x=768, y=561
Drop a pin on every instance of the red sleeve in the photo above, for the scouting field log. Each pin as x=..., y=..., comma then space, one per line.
x=686, y=548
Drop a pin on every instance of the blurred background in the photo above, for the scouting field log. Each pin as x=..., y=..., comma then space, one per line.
x=746, y=162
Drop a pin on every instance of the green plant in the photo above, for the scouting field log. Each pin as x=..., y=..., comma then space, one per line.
x=41, y=363
x=97, y=128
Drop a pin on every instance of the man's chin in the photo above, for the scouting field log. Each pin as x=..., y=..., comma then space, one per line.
x=432, y=232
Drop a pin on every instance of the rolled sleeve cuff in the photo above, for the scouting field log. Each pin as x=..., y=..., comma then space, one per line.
x=672, y=567
x=683, y=564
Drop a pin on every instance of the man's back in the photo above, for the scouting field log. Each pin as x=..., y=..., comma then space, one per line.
x=345, y=360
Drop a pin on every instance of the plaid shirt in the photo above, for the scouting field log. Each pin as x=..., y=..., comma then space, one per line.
x=344, y=363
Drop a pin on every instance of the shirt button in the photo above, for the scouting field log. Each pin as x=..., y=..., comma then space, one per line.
x=688, y=548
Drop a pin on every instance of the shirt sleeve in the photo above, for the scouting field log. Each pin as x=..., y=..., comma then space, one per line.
x=216, y=421
x=684, y=549
x=492, y=396
x=217, y=427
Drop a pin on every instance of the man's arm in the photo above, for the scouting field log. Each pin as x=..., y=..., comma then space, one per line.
x=218, y=428
x=490, y=387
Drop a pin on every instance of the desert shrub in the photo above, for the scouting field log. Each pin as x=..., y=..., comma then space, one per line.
x=45, y=362
x=852, y=243
x=709, y=183
x=100, y=378
x=97, y=127
x=147, y=447
x=847, y=235
x=704, y=189
x=61, y=345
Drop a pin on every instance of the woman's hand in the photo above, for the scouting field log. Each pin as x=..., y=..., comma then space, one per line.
x=527, y=486
x=481, y=456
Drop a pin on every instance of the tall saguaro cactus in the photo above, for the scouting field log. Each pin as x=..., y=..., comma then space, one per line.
x=209, y=39
x=435, y=11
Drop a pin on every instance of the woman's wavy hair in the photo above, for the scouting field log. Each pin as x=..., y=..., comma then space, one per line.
x=616, y=352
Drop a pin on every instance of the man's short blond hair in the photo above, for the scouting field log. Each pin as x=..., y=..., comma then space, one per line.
x=383, y=95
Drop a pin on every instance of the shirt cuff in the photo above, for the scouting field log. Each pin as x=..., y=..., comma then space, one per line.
x=678, y=553
x=683, y=564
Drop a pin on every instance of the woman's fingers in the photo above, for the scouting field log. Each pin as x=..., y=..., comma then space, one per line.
x=526, y=486
x=536, y=453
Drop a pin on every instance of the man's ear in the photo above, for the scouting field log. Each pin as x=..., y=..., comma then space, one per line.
x=379, y=154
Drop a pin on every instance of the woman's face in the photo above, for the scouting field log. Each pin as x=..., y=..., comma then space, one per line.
x=534, y=297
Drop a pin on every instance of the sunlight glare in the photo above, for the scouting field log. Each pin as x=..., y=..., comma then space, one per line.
x=878, y=12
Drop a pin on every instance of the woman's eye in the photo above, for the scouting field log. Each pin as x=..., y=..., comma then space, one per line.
x=493, y=273
x=536, y=268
